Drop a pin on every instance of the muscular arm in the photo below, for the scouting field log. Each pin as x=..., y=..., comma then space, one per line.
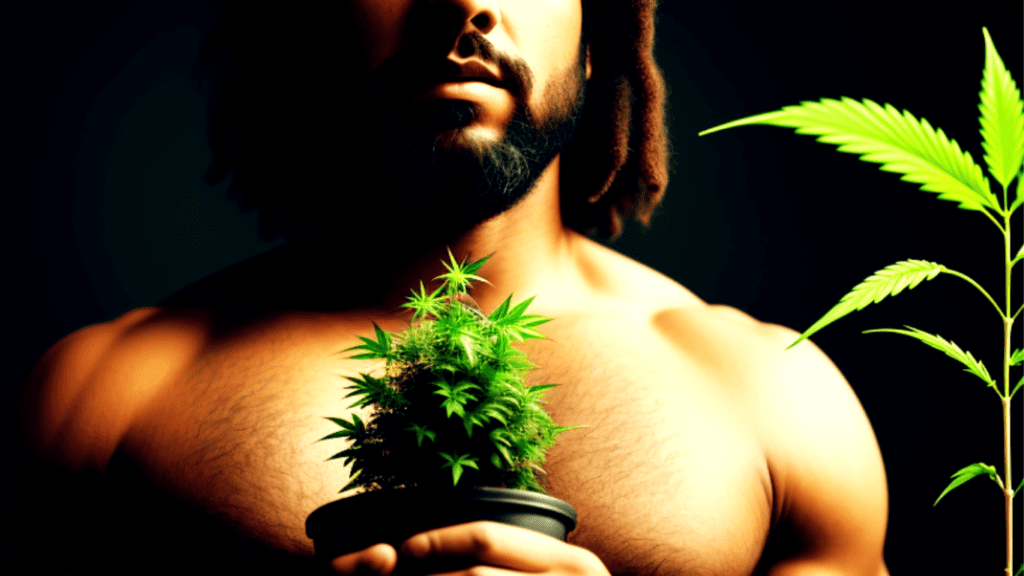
x=73, y=412
x=53, y=501
x=831, y=500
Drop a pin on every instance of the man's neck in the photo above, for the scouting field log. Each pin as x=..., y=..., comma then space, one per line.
x=531, y=250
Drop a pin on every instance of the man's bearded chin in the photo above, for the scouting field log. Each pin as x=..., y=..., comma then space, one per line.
x=437, y=179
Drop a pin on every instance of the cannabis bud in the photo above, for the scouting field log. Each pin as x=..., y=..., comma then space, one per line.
x=452, y=405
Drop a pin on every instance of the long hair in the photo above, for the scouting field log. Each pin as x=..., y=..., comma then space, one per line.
x=617, y=166
x=276, y=115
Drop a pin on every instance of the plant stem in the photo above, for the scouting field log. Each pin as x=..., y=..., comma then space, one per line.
x=1007, y=490
x=982, y=290
x=1007, y=329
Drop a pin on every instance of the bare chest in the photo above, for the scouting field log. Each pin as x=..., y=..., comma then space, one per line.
x=667, y=477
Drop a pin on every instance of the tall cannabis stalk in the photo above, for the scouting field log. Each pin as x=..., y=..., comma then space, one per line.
x=902, y=144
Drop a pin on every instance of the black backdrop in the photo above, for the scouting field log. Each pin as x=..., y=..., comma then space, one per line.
x=103, y=147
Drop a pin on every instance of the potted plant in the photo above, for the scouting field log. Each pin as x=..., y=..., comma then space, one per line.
x=902, y=144
x=455, y=434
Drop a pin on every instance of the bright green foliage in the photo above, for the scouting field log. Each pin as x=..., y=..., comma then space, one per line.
x=379, y=348
x=453, y=405
x=888, y=281
x=902, y=144
x=1002, y=118
x=899, y=143
x=964, y=474
x=974, y=366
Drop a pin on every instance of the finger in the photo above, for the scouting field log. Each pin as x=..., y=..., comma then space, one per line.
x=379, y=559
x=493, y=543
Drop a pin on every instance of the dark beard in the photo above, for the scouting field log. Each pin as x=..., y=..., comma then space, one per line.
x=427, y=182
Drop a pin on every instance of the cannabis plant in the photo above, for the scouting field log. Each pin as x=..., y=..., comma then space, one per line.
x=452, y=405
x=902, y=144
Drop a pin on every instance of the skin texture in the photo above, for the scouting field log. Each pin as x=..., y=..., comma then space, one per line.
x=708, y=449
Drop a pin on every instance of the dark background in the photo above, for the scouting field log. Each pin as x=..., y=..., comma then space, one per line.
x=104, y=209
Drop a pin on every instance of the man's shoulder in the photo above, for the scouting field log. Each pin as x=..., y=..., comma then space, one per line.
x=827, y=474
x=82, y=393
x=794, y=394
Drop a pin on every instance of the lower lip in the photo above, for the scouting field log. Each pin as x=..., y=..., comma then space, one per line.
x=467, y=89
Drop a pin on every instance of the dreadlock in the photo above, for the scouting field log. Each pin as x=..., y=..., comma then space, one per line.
x=265, y=59
x=626, y=87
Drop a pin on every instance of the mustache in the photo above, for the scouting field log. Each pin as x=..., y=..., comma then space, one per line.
x=424, y=63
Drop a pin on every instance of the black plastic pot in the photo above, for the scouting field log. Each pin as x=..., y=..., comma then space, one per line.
x=392, y=516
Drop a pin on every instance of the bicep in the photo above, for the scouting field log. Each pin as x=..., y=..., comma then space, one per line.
x=830, y=476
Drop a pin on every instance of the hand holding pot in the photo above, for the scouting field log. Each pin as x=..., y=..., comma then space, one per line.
x=494, y=544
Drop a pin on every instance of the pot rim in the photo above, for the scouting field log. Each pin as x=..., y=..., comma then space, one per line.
x=514, y=497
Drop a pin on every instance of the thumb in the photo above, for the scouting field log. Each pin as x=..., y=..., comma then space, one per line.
x=378, y=560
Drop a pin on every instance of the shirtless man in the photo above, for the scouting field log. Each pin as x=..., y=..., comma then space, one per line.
x=186, y=433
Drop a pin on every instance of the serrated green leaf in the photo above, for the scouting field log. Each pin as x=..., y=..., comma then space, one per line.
x=470, y=421
x=468, y=344
x=496, y=413
x=522, y=334
x=517, y=312
x=373, y=391
x=456, y=397
x=561, y=429
x=473, y=267
x=352, y=483
x=342, y=422
x=456, y=461
x=499, y=436
x=900, y=143
x=460, y=275
x=505, y=454
x=966, y=473
x=1017, y=357
x=453, y=407
x=422, y=432
x=383, y=338
x=501, y=311
x=1018, y=196
x=532, y=320
x=1002, y=117
x=974, y=366
x=349, y=429
x=365, y=356
x=350, y=455
x=888, y=281
x=424, y=304
x=338, y=434
x=375, y=349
